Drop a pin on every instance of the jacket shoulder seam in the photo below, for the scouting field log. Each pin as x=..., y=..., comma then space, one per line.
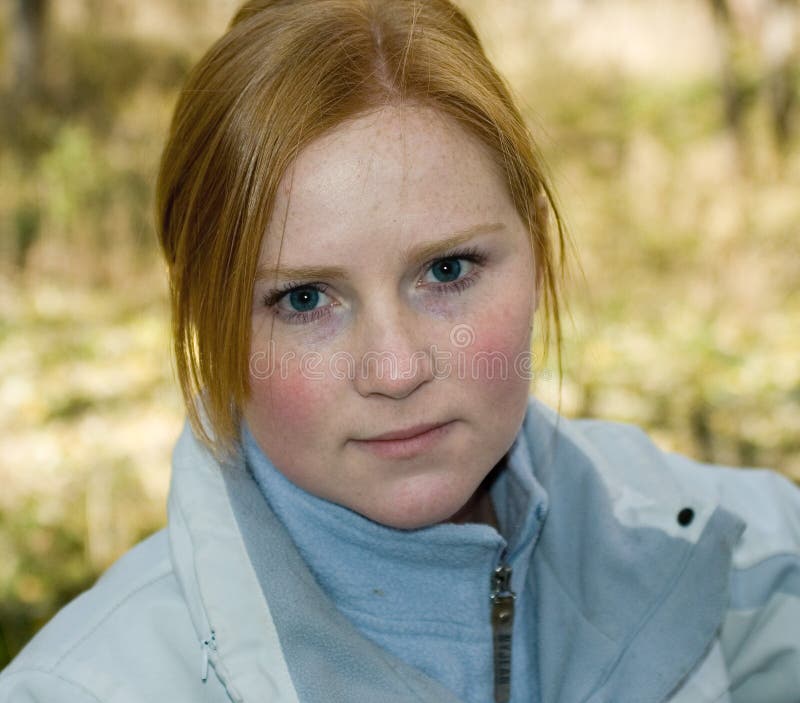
x=107, y=614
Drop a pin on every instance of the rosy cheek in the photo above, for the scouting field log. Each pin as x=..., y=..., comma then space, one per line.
x=500, y=353
x=287, y=400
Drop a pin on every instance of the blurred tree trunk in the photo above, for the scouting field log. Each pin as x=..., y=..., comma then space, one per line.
x=29, y=37
x=734, y=84
x=760, y=55
x=780, y=39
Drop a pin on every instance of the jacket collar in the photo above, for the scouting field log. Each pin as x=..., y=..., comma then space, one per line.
x=235, y=629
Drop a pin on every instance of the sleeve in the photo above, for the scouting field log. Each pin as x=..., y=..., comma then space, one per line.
x=760, y=636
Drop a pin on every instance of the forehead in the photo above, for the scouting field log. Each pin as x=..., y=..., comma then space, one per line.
x=387, y=179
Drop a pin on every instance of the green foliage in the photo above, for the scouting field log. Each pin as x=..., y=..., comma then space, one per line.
x=88, y=419
x=27, y=224
x=74, y=174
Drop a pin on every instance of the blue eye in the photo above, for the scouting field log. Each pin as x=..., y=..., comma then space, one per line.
x=448, y=267
x=304, y=298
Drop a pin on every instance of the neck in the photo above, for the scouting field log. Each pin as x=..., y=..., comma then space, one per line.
x=480, y=507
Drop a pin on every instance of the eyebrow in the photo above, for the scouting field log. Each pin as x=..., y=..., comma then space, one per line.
x=414, y=255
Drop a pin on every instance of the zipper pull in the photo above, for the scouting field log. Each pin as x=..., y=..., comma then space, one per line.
x=502, y=599
x=210, y=643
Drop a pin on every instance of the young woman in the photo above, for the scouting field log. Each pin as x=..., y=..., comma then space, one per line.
x=366, y=504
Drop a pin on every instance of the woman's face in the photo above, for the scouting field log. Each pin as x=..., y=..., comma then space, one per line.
x=409, y=329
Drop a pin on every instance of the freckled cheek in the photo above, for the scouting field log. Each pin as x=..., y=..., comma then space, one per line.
x=289, y=402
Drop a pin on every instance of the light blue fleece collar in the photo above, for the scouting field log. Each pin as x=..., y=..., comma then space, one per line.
x=421, y=594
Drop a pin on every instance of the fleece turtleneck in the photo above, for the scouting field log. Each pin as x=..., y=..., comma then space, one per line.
x=423, y=594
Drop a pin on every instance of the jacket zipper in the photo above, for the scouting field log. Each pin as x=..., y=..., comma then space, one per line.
x=207, y=645
x=502, y=600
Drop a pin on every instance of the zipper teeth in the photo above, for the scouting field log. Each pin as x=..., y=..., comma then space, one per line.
x=502, y=599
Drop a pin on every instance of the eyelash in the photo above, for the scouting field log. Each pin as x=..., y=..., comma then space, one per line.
x=471, y=254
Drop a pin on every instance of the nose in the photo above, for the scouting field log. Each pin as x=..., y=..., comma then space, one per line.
x=394, y=359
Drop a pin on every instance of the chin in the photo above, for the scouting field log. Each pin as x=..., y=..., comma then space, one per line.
x=409, y=522
x=401, y=515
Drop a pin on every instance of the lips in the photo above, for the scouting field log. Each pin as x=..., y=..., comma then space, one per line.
x=406, y=433
x=401, y=445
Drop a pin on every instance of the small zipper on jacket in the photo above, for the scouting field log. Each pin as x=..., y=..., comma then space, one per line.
x=502, y=599
x=207, y=645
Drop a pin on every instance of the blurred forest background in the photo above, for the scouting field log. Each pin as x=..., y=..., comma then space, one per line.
x=671, y=128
